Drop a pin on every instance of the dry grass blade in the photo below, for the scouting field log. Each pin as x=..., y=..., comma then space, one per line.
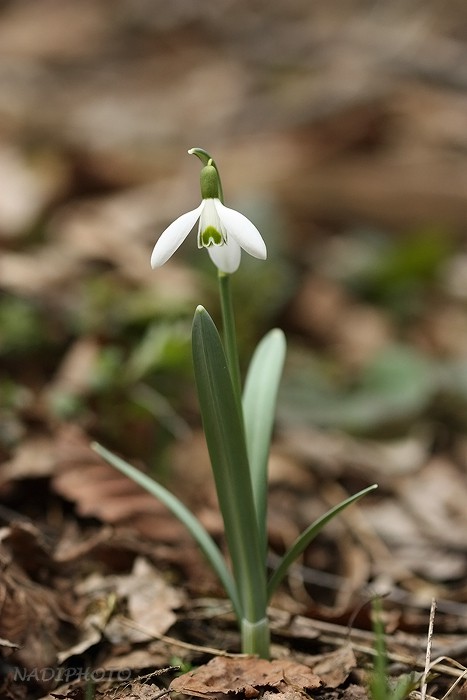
x=424, y=684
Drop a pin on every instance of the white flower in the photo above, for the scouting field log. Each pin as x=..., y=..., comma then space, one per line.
x=221, y=230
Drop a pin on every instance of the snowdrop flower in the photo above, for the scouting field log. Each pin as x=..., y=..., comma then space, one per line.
x=222, y=231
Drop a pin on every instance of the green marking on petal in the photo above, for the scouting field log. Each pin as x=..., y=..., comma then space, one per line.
x=210, y=236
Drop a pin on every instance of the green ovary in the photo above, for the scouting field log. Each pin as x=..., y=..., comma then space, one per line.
x=211, y=236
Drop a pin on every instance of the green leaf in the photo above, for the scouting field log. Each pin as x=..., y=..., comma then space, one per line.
x=259, y=409
x=204, y=540
x=307, y=536
x=224, y=430
x=405, y=684
x=378, y=685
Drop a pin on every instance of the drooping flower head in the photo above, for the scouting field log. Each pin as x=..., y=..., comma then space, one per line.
x=222, y=231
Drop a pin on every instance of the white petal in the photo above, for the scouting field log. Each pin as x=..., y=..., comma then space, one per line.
x=245, y=233
x=173, y=236
x=226, y=257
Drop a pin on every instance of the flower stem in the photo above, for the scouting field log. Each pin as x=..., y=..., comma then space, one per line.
x=230, y=335
x=256, y=637
x=255, y=626
x=250, y=574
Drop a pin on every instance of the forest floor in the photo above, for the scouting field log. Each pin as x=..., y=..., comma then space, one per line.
x=341, y=133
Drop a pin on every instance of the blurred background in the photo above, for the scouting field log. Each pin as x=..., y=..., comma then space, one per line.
x=340, y=130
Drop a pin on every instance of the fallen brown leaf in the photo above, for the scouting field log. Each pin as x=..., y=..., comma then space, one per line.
x=32, y=618
x=100, y=491
x=246, y=676
x=150, y=602
x=334, y=667
x=35, y=457
x=28, y=547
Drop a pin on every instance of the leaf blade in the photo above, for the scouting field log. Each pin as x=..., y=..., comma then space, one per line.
x=202, y=537
x=224, y=431
x=304, y=539
x=259, y=409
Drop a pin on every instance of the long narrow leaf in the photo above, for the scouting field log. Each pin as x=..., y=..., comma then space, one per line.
x=224, y=430
x=259, y=410
x=204, y=540
x=307, y=536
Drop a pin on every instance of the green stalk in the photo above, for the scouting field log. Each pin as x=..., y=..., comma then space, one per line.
x=256, y=637
x=379, y=689
x=255, y=633
x=229, y=333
